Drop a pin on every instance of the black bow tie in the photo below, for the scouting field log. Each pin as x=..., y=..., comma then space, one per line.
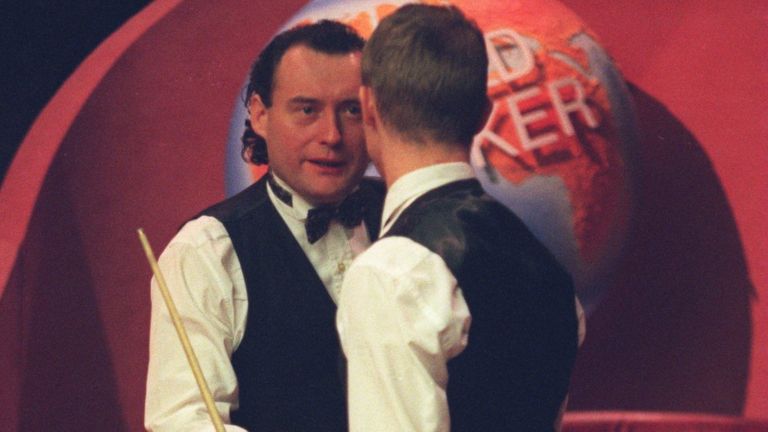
x=349, y=213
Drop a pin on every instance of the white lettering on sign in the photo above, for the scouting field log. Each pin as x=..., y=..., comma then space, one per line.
x=508, y=56
x=577, y=104
x=541, y=113
x=521, y=120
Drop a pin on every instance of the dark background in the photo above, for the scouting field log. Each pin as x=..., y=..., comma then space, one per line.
x=41, y=44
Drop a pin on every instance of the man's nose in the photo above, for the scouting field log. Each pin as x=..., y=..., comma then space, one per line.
x=331, y=129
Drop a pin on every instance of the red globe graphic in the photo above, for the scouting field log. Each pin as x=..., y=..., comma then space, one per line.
x=557, y=148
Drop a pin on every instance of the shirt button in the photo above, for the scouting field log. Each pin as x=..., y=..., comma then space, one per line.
x=341, y=267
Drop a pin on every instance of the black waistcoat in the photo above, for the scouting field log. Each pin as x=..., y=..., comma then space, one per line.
x=289, y=365
x=515, y=371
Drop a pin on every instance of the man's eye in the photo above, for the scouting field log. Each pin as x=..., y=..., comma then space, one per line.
x=353, y=110
x=308, y=110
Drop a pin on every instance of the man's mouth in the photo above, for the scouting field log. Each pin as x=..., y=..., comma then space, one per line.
x=327, y=163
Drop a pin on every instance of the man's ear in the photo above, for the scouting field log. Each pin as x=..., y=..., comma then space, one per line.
x=257, y=113
x=368, y=107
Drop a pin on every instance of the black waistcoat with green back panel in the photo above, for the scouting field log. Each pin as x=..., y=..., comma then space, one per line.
x=515, y=372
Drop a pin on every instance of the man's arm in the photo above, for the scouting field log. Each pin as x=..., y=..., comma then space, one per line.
x=200, y=274
x=401, y=317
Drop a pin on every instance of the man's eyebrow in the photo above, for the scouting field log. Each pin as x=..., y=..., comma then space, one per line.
x=302, y=100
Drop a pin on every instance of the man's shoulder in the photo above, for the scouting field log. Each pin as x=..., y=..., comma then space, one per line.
x=464, y=204
x=435, y=220
x=244, y=204
x=201, y=226
x=450, y=219
x=203, y=233
x=393, y=257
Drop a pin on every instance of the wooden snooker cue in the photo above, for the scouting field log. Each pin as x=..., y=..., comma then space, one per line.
x=190, y=353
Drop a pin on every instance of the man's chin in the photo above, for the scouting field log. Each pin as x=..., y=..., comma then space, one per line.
x=332, y=190
x=329, y=196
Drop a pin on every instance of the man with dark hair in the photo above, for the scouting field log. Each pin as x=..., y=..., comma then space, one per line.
x=256, y=277
x=449, y=255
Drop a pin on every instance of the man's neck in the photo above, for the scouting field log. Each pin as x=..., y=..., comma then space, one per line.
x=402, y=157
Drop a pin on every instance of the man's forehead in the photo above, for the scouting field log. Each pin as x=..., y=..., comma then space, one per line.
x=304, y=50
x=305, y=69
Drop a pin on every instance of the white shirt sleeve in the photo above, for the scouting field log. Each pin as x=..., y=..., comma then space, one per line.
x=401, y=317
x=205, y=282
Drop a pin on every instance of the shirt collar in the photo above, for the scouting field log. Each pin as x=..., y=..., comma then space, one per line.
x=416, y=183
x=299, y=206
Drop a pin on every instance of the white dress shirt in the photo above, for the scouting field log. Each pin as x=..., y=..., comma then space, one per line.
x=206, y=283
x=401, y=317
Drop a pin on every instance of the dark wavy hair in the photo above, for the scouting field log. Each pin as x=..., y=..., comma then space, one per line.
x=325, y=36
x=428, y=67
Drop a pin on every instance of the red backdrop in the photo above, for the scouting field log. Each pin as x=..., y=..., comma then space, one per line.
x=135, y=139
